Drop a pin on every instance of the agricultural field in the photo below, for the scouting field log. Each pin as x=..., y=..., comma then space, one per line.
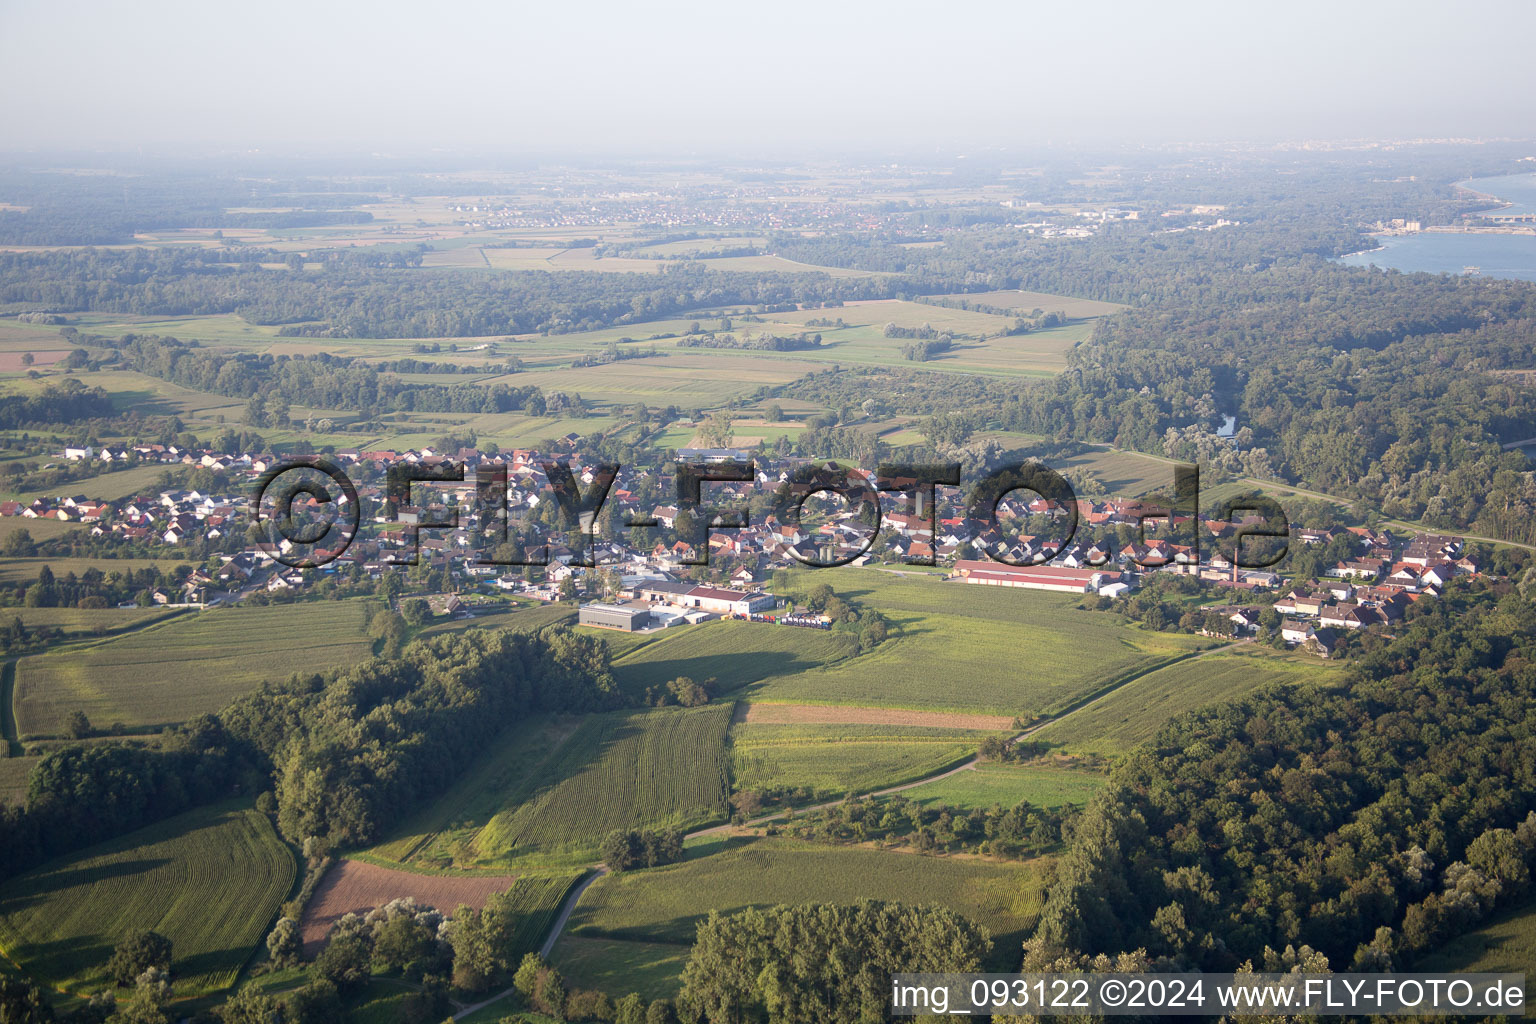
x=107, y=486
x=14, y=773
x=15, y=569
x=836, y=759
x=1025, y=302
x=38, y=529
x=518, y=618
x=190, y=665
x=1133, y=714
x=665, y=768
x=78, y=623
x=987, y=785
x=210, y=880
x=621, y=966
x=731, y=651
x=441, y=834
x=1507, y=944
x=956, y=647
x=1117, y=473
x=662, y=906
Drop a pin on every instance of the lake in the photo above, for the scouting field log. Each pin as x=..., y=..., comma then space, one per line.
x=1446, y=253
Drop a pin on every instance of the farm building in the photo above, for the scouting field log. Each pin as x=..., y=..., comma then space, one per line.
x=720, y=600
x=1035, y=577
x=626, y=617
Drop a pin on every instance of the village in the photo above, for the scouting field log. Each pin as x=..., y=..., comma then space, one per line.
x=637, y=572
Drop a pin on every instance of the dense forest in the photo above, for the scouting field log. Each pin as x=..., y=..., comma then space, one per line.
x=1369, y=821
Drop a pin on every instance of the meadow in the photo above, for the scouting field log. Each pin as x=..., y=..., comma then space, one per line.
x=1133, y=714
x=77, y=623
x=656, y=769
x=956, y=647
x=836, y=759
x=210, y=880
x=190, y=665
x=731, y=651
x=1025, y=302
x=13, y=570
x=1507, y=944
x=663, y=906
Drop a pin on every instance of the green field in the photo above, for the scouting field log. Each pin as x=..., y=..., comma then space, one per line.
x=731, y=651
x=14, y=772
x=210, y=881
x=75, y=623
x=1133, y=714
x=663, y=906
x=188, y=666
x=518, y=618
x=442, y=833
x=621, y=966
x=957, y=647
x=837, y=759
x=663, y=768
x=1006, y=785
x=1505, y=945
x=107, y=486
x=13, y=570
x=1024, y=302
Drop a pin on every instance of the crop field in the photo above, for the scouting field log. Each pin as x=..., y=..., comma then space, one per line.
x=1006, y=785
x=837, y=759
x=1505, y=945
x=109, y=486
x=518, y=618
x=1133, y=714
x=1025, y=302
x=38, y=529
x=662, y=768
x=14, y=772
x=957, y=647
x=210, y=880
x=13, y=569
x=185, y=667
x=75, y=623
x=665, y=905
x=441, y=834
x=1127, y=474
x=731, y=651
x=619, y=966
x=354, y=885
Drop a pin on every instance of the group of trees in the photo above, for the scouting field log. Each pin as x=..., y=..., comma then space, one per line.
x=820, y=962
x=1011, y=832
x=642, y=848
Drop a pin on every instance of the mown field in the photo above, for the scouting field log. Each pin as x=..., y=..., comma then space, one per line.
x=1006, y=785
x=185, y=667
x=662, y=768
x=662, y=906
x=1133, y=714
x=957, y=647
x=733, y=652
x=210, y=880
x=837, y=759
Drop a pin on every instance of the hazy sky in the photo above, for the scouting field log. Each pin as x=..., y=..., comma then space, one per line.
x=786, y=77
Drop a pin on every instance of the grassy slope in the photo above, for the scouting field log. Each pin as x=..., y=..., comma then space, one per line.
x=209, y=880
x=733, y=652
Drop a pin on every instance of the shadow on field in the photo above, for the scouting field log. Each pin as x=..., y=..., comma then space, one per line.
x=52, y=881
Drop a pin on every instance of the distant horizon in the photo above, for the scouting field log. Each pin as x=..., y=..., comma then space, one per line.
x=686, y=77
